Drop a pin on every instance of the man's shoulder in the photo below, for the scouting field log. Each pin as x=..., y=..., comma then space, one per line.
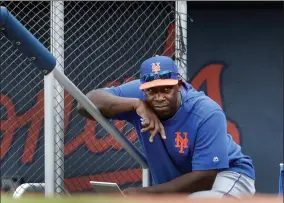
x=133, y=84
x=199, y=104
x=205, y=106
x=128, y=89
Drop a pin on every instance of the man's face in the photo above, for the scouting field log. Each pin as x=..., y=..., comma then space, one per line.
x=163, y=100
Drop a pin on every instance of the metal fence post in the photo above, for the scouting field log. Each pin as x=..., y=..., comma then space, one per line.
x=48, y=135
x=57, y=49
x=181, y=38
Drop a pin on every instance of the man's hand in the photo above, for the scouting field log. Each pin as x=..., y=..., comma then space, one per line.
x=188, y=183
x=134, y=191
x=150, y=120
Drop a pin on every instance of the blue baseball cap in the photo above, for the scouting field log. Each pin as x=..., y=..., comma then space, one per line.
x=158, y=71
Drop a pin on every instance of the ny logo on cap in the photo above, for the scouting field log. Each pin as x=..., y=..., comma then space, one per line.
x=156, y=67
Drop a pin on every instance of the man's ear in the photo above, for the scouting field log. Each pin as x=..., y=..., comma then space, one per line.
x=179, y=85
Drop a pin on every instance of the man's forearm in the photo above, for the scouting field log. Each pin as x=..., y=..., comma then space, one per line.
x=108, y=104
x=188, y=183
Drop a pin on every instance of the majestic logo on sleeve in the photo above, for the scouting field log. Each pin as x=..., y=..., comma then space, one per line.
x=181, y=141
x=156, y=67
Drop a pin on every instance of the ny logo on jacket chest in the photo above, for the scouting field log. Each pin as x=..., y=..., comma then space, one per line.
x=181, y=141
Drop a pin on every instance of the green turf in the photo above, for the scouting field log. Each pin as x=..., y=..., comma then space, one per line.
x=73, y=199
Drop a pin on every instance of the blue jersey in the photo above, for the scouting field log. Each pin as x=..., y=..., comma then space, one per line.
x=197, y=137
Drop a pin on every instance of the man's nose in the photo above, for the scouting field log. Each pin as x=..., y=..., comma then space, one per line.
x=159, y=96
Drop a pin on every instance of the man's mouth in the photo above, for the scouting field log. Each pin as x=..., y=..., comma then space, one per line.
x=160, y=107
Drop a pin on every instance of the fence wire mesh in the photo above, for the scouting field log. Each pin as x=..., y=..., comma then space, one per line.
x=104, y=44
x=22, y=149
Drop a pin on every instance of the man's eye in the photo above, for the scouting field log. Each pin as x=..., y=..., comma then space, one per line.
x=149, y=90
x=167, y=89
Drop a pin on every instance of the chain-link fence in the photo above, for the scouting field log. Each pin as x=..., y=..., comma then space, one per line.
x=103, y=44
x=22, y=100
